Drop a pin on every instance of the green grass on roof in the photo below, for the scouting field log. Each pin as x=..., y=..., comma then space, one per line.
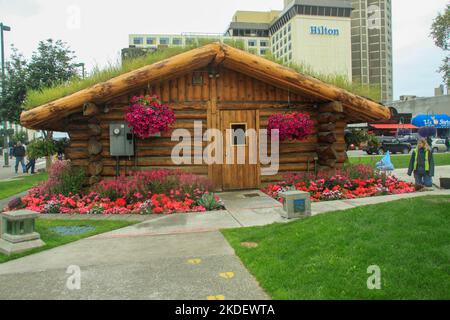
x=36, y=98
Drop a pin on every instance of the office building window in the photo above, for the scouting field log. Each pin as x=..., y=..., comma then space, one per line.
x=252, y=43
x=150, y=40
x=263, y=52
x=177, y=41
x=138, y=41
x=263, y=43
x=164, y=41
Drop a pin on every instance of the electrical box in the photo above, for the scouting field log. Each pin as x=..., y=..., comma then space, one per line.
x=121, y=140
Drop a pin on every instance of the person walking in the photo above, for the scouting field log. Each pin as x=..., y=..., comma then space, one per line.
x=447, y=143
x=422, y=164
x=31, y=164
x=19, y=153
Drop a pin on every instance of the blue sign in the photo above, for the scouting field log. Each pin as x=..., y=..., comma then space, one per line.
x=299, y=205
x=323, y=30
x=439, y=121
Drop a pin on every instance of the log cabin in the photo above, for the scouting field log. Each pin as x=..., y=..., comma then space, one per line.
x=218, y=86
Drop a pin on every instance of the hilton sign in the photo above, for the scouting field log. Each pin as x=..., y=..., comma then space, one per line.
x=322, y=30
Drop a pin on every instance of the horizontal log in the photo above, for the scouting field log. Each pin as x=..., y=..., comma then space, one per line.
x=326, y=127
x=76, y=153
x=327, y=152
x=327, y=162
x=327, y=137
x=328, y=117
x=90, y=109
x=198, y=170
x=95, y=168
x=95, y=147
x=334, y=106
x=94, y=130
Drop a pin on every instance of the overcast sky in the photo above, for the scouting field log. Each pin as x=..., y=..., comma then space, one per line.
x=103, y=26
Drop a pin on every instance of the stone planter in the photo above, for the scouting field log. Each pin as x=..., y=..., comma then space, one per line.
x=297, y=204
x=18, y=232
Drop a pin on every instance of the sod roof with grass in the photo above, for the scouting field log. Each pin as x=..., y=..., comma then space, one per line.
x=62, y=101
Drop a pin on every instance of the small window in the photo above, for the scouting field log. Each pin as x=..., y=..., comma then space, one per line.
x=251, y=43
x=238, y=131
x=164, y=41
x=197, y=79
x=151, y=41
x=177, y=41
x=138, y=41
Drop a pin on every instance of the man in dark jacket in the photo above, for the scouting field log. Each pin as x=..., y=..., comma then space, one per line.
x=19, y=153
x=422, y=164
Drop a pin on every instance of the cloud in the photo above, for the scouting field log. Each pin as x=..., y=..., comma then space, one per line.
x=22, y=8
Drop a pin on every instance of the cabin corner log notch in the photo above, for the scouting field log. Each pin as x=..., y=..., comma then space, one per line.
x=328, y=131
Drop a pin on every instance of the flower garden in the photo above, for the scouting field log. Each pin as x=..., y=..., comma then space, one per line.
x=359, y=181
x=145, y=192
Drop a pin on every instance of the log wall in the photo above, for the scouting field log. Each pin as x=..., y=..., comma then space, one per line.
x=226, y=89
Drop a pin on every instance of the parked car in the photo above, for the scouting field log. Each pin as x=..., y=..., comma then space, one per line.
x=393, y=145
x=438, y=145
x=411, y=139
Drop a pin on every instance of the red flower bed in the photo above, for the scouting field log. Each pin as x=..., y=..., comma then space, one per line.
x=291, y=126
x=356, y=182
x=145, y=192
x=147, y=116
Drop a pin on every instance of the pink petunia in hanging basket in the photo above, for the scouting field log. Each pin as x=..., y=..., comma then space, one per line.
x=291, y=126
x=147, y=116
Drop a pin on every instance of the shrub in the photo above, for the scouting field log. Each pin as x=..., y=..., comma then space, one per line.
x=16, y=204
x=71, y=181
x=63, y=179
x=210, y=202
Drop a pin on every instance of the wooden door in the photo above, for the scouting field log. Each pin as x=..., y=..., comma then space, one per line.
x=240, y=172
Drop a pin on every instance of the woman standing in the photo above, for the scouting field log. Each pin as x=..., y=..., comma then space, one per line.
x=422, y=164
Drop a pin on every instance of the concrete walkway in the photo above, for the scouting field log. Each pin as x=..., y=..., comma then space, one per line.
x=181, y=256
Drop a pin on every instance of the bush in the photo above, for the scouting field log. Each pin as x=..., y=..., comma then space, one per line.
x=16, y=204
x=210, y=202
x=63, y=179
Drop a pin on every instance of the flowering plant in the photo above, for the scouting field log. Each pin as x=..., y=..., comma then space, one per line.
x=355, y=182
x=146, y=116
x=141, y=192
x=291, y=126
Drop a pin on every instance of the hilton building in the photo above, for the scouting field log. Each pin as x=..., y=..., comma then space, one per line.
x=326, y=36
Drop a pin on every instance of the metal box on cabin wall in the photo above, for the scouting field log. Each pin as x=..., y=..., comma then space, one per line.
x=121, y=140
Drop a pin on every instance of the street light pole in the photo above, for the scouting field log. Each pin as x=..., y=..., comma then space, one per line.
x=2, y=44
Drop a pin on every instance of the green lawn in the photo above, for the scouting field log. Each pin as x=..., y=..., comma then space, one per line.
x=52, y=239
x=21, y=184
x=401, y=161
x=327, y=256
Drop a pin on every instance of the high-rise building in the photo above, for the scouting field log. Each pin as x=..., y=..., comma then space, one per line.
x=372, y=44
x=346, y=37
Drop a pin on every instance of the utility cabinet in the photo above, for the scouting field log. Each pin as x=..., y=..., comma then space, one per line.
x=121, y=140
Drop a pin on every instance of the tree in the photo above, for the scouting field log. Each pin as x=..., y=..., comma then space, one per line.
x=440, y=32
x=15, y=86
x=51, y=64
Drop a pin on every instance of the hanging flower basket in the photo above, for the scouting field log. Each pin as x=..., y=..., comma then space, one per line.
x=147, y=117
x=291, y=126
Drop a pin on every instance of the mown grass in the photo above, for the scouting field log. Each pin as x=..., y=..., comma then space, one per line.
x=36, y=98
x=328, y=256
x=52, y=239
x=400, y=161
x=23, y=183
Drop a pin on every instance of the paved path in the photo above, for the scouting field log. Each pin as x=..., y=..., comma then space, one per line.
x=181, y=256
x=9, y=172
